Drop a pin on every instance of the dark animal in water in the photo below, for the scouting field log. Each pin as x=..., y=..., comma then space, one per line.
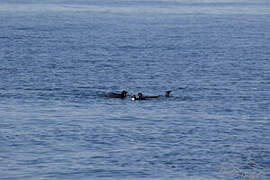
x=134, y=98
x=115, y=95
x=141, y=97
x=167, y=93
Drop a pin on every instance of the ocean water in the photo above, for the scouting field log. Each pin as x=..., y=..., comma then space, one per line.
x=59, y=59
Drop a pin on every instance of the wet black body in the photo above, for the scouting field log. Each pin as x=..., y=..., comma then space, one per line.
x=134, y=98
x=149, y=97
x=141, y=97
x=167, y=93
x=115, y=95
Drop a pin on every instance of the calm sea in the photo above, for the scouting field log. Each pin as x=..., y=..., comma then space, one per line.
x=59, y=59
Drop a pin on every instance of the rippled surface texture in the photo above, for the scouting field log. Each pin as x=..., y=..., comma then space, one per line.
x=59, y=59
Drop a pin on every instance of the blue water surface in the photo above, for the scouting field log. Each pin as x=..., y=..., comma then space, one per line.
x=59, y=59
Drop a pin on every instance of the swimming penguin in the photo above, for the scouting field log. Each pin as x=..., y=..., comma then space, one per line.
x=133, y=98
x=115, y=95
x=141, y=97
x=167, y=93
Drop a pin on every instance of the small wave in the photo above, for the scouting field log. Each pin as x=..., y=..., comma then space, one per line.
x=43, y=89
x=4, y=37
